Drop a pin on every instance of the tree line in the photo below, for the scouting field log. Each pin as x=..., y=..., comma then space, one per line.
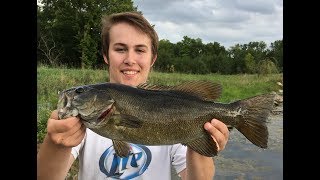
x=69, y=35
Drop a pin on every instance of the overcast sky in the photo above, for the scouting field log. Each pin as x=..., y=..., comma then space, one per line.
x=227, y=22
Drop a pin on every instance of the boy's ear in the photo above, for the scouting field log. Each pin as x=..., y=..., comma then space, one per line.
x=105, y=58
x=154, y=60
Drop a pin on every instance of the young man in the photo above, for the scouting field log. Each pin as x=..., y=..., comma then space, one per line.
x=130, y=47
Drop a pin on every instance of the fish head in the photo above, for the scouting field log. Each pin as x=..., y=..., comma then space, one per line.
x=91, y=105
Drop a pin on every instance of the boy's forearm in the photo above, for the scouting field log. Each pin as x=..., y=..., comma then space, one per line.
x=198, y=166
x=53, y=161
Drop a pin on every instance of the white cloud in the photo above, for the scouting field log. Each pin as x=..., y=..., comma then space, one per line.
x=227, y=22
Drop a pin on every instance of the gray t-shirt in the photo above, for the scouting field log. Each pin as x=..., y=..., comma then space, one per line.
x=97, y=160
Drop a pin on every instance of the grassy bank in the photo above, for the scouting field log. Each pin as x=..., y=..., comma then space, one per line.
x=50, y=81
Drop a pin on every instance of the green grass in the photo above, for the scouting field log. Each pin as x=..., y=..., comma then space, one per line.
x=52, y=80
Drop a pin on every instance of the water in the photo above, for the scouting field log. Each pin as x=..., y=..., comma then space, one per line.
x=243, y=160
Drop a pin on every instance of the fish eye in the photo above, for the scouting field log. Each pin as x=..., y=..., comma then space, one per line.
x=79, y=90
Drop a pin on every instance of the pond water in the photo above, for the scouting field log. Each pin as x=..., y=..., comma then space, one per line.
x=243, y=160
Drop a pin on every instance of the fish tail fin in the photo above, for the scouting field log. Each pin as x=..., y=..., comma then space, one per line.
x=253, y=116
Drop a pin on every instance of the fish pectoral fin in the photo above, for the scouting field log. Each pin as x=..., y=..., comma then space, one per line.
x=205, y=146
x=122, y=148
x=127, y=121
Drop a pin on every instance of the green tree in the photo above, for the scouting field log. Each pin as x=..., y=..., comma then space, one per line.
x=218, y=55
x=189, y=47
x=75, y=26
x=165, y=56
x=250, y=63
x=276, y=53
x=237, y=55
x=267, y=67
x=257, y=49
x=88, y=47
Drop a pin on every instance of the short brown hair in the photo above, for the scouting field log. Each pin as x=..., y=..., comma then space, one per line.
x=133, y=18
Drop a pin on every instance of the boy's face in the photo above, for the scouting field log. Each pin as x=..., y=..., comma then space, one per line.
x=130, y=55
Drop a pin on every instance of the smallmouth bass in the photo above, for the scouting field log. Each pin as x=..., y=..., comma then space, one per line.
x=163, y=115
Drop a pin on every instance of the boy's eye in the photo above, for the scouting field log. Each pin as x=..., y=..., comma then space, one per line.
x=140, y=50
x=120, y=49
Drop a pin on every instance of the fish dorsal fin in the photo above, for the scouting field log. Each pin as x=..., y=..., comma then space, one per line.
x=206, y=90
x=149, y=86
